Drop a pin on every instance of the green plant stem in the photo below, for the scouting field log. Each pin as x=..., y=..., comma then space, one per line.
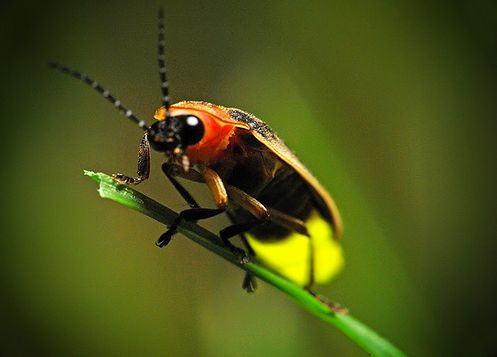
x=366, y=338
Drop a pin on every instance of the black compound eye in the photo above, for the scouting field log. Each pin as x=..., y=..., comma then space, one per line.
x=193, y=130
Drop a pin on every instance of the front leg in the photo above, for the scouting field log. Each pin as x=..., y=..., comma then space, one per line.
x=143, y=170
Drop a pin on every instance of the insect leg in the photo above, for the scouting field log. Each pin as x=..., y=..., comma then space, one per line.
x=216, y=185
x=143, y=169
x=249, y=283
x=237, y=229
x=192, y=214
x=333, y=306
x=165, y=238
x=171, y=170
x=287, y=221
x=250, y=204
x=179, y=187
x=176, y=170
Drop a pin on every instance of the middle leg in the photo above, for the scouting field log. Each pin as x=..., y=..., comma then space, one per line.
x=195, y=213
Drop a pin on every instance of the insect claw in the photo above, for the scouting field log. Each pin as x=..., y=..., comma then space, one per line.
x=249, y=283
x=126, y=180
x=165, y=238
x=333, y=306
x=122, y=179
x=243, y=258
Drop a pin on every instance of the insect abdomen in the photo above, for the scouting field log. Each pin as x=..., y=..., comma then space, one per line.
x=294, y=255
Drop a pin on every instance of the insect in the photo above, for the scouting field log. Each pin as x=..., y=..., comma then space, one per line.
x=285, y=218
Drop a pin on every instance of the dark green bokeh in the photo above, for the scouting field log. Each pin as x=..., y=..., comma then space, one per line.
x=391, y=105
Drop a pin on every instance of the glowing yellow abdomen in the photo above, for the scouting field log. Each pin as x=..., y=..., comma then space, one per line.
x=291, y=256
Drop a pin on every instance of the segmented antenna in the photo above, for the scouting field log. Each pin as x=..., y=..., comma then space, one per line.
x=95, y=85
x=164, y=84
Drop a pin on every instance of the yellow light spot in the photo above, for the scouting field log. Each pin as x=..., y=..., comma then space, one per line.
x=290, y=256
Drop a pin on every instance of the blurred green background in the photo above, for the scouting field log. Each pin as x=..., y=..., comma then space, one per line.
x=391, y=104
